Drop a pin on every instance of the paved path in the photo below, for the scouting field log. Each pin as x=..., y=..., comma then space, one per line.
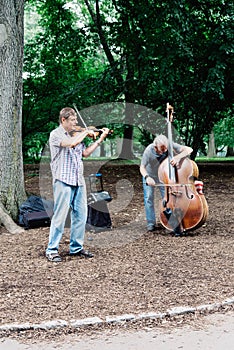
x=216, y=333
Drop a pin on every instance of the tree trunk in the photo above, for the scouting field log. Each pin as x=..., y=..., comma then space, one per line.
x=12, y=191
x=127, y=144
x=230, y=151
x=211, y=147
x=102, y=150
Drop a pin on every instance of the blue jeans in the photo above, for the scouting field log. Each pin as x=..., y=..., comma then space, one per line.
x=66, y=197
x=149, y=194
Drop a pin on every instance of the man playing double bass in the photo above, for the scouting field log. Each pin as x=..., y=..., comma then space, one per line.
x=152, y=157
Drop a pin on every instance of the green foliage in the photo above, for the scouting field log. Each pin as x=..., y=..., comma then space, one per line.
x=224, y=132
x=32, y=148
x=214, y=160
x=51, y=68
x=141, y=52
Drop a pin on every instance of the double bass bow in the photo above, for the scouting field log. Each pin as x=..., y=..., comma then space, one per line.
x=183, y=208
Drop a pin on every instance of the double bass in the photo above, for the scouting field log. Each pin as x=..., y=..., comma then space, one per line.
x=183, y=208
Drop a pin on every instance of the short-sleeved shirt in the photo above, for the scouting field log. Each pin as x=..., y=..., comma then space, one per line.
x=151, y=159
x=66, y=163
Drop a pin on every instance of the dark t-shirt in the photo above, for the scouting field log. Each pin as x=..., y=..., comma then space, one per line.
x=151, y=159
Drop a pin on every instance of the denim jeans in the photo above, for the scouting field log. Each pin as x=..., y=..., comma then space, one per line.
x=149, y=195
x=66, y=197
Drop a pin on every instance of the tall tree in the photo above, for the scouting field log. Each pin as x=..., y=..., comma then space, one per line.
x=170, y=51
x=111, y=42
x=59, y=64
x=12, y=191
x=141, y=52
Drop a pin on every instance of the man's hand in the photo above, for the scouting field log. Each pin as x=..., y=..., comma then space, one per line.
x=91, y=133
x=150, y=181
x=175, y=160
x=105, y=132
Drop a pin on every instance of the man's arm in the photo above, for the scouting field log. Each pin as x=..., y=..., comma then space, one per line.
x=149, y=180
x=75, y=140
x=184, y=152
x=89, y=150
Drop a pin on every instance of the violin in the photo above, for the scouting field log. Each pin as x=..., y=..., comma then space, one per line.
x=94, y=132
x=183, y=207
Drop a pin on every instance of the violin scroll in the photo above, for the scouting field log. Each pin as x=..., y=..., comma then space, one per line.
x=170, y=113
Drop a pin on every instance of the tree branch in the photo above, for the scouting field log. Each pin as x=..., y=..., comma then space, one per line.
x=97, y=20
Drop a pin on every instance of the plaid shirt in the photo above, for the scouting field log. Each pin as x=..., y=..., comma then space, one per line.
x=66, y=163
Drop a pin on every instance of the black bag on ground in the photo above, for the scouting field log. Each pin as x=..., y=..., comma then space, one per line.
x=98, y=217
x=35, y=212
x=98, y=214
x=36, y=219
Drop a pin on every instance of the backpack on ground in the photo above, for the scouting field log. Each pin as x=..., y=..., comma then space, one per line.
x=98, y=213
x=35, y=212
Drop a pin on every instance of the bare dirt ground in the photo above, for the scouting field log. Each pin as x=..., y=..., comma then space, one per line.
x=132, y=271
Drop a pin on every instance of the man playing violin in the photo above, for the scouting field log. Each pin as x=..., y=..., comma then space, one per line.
x=152, y=157
x=69, y=187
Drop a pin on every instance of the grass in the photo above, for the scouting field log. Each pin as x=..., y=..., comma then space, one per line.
x=138, y=160
x=119, y=161
x=214, y=159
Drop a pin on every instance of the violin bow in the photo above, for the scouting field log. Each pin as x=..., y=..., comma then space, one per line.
x=78, y=113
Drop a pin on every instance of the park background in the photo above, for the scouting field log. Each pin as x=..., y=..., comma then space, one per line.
x=100, y=55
